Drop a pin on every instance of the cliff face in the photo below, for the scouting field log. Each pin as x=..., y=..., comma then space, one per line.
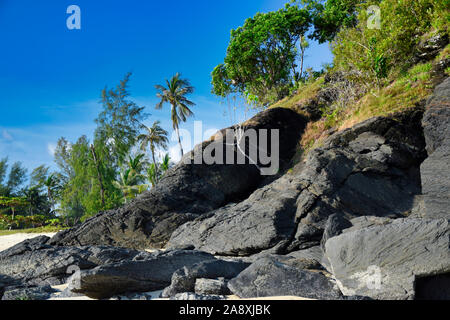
x=366, y=214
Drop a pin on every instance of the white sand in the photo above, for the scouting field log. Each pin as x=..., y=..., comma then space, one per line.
x=13, y=239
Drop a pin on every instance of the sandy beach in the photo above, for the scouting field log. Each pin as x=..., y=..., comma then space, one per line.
x=13, y=239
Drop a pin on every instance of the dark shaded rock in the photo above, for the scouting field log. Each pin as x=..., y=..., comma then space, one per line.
x=436, y=124
x=334, y=226
x=258, y=223
x=183, y=280
x=193, y=296
x=37, y=263
x=212, y=287
x=430, y=48
x=371, y=169
x=185, y=192
x=382, y=262
x=28, y=293
x=152, y=274
x=268, y=277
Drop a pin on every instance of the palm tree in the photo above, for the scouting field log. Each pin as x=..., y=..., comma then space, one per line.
x=165, y=165
x=128, y=184
x=155, y=137
x=51, y=184
x=175, y=94
x=152, y=174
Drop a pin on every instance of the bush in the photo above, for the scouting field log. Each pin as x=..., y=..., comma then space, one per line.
x=374, y=53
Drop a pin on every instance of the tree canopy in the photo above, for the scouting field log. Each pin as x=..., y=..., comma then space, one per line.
x=261, y=59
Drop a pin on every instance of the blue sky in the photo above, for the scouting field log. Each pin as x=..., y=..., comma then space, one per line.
x=51, y=77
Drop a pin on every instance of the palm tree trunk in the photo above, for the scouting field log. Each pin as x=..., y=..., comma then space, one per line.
x=179, y=141
x=154, y=162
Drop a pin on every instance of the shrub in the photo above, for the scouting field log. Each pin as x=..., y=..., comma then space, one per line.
x=376, y=53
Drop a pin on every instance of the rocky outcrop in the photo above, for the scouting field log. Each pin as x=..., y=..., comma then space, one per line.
x=428, y=49
x=371, y=169
x=184, y=279
x=146, y=275
x=384, y=261
x=34, y=262
x=212, y=287
x=28, y=293
x=269, y=277
x=435, y=170
x=185, y=192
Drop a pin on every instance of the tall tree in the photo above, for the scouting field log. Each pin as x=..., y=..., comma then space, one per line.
x=175, y=94
x=16, y=178
x=155, y=137
x=260, y=59
x=118, y=124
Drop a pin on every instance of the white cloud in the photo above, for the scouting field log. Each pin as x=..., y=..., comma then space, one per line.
x=51, y=147
x=6, y=135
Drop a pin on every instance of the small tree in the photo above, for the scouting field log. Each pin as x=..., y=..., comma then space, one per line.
x=261, y=58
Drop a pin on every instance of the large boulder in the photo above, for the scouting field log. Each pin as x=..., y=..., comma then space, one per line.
x=184, y=279
x=268, y=277
x=371, y=169
x=34, y=262
x=385, y=261
x=28, y=293
x=186, y=191
x=258, y=223
x=435, y=170
x=150, y=274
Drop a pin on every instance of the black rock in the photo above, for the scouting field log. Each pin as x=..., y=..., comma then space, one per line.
x=151, y=274
x=186, y=192
x=28, y=293
x=334, y=226
x=36, y=263
x=184, y=279
x=386, y=261
x=212, y=287
x=436, y=124
x=268, y=277
x=371, y=169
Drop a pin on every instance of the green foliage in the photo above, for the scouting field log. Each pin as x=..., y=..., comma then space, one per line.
x=129, y=185
x=154, y=137
x=261, y=57
x=155, y=172
x=88, y=170
x=119, y=122
x=329, y=17
x=16, y=177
